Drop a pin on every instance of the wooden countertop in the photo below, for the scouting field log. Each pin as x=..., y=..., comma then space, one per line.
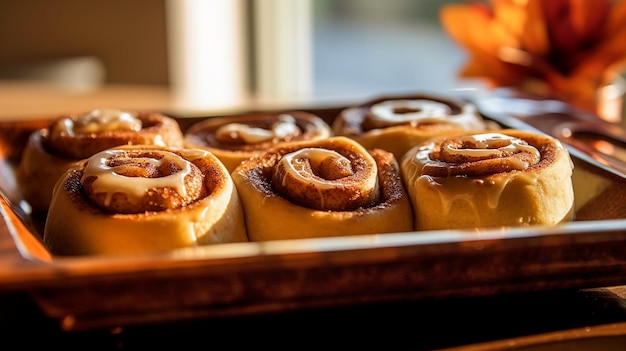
x=31, y=100
x=23, y=99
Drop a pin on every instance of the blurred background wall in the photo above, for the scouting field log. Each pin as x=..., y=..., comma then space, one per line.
x=352, y=49
x=128, y=37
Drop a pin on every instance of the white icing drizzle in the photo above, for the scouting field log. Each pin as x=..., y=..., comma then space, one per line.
x=422, y=155
x=494, y=144
x=293, y=165
x=158, y=140
x=448, y=194
x=315, y=156
x=98, y=121
x=285, y=126
x=422, y=111
x=476, y=192
x=194, y=154
x=109, y=181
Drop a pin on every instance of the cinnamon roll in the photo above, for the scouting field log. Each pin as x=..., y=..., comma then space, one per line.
x=496, y=179
x=71, y=138
x=143, y=198
x=236, y=138
x=398, y=123
x=323, y=188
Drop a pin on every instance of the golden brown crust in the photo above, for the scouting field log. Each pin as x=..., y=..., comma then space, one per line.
x=252, y=134
x=156, y=129
x=303, y=196
x=139, y=163
x=505, y=178
x=343, y=176
x=110, y=203
x=397, y=123
x=445, y=158
x=51, y=150
x=38, y=171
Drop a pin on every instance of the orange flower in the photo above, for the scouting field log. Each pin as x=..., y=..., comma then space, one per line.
x=565, y=49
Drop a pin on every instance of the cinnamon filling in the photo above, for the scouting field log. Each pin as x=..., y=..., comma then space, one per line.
x=478, y=154
x=326, y=179
x=95, y=121
x=284, y=128
x=250, y=133
x=81, y=136
x=135, y=181
x=422, y=113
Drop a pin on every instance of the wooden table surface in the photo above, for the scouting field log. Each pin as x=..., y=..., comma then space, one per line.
x=19, y=99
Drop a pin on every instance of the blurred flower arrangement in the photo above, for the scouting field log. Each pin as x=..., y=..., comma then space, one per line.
x=563, y=49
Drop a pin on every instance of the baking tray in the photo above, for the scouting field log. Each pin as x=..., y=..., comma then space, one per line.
x=88, y=292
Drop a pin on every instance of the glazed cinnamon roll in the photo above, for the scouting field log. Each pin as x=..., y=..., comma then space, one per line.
x=322, y=188
x=71, y=138
x=398, y=123
x=236, y=138
x=143, y=198
x=497, y=179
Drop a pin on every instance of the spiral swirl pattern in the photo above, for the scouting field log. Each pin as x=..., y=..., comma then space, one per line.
x=79, y=136
x=136, y=181
x=236, y=138
x=507, y=178
x=327, y=180
x=143, y=198
x=330, y=187
x=477, y=154
x=49, y=152
x=418, y=111
x=398, y=123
